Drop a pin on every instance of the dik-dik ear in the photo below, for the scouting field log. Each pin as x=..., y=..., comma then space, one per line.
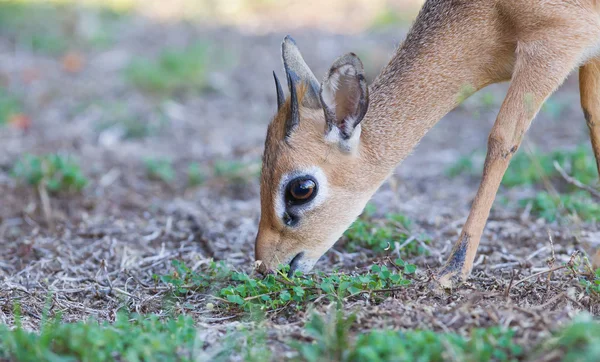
x=299, y=72
x=345, y=99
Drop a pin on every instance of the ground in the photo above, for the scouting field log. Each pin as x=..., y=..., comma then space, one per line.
x=172, y=175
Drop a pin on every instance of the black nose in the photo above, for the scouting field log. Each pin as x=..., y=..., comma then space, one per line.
x=294, y=263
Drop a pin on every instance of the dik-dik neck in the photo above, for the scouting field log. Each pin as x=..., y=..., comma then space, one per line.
x=412, y=93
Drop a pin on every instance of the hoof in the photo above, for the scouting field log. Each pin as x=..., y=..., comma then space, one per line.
x=447, y=280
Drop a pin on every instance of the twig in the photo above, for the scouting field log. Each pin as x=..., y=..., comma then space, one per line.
x=551, y=301
x=575, y=182
x=45, y=199
x=540, y=273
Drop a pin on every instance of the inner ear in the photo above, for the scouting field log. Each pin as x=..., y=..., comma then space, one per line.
x=344, y=95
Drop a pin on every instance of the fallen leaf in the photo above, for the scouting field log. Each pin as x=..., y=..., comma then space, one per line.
x=73, y=62
x=20, y=121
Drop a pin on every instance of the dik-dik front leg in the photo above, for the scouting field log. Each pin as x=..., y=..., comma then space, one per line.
x=589, y=89
x=538, y=71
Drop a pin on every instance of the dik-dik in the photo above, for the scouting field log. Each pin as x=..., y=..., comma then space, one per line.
x=332, y=144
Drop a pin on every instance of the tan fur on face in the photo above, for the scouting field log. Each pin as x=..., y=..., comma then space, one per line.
x=306, y=148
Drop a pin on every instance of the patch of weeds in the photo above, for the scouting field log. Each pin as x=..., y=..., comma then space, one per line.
x=249, y=344
x=530, y=169
x=389, y=16
x=331, y=341
x=129, y=126
x=172, y=71
x=195, y=175
x=553, y=207
x=592, y=286
x=10, y=106
x=382, y=235
x=184, y=280
x=466, y=91
x=159, y=169
x=50, y=27
x=578, y=341
x=279, y=290
x=133, y=339
x=236, y=172
x=54, y=171
x=555, y=107
x=488, y=100
x=464, y=165
x=33, y=26
x=331, y=337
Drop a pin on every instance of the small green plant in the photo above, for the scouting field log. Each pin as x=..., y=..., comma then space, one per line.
x=195, y=175
x=531, y=168
x=577, y=341
x=183, y=279
x=332, y=342
x=118, y=116
x=331, y=337
x=236, y=172
x=159, y=169
x=381, y=235
x=133, y=339
x=280, y=290
x=464, y=165
x=55, y=172
x=9, y=106
x=389, y=16
x=172, y=71
x=592, y=286
x=554, y=107
x=554, y=207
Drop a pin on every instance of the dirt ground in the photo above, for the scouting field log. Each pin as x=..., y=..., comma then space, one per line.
x=97, y=252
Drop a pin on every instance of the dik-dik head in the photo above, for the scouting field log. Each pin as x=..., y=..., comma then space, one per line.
x=312, y=186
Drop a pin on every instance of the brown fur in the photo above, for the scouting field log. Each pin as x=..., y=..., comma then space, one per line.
x=455, y=48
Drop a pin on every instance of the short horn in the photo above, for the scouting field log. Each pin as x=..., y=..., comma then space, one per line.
x=280, y=97
x=294, y=119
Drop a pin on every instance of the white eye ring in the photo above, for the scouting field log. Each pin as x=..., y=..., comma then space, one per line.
x=321, y=180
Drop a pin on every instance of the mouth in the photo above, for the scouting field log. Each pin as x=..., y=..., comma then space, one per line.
x=294, y=263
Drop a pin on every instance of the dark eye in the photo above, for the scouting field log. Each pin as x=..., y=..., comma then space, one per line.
x=301, y=190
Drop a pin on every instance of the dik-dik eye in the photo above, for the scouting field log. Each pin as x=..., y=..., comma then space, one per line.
x=301, y=190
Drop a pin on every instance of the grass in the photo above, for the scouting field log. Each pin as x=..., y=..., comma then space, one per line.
x=195, y=174
x=130, y=338
x=159, y=169
x=554, y=207
x=592, y=286
x=389, y=17
x=10, y=106
x=152, y=338
x=578, y=341
x=172, y=71
x=48, y=27
x=381, y=235
x=129, y=125
x=530, y=169
x=332, y=342
x=240, y=291
x=57, y=173
x=534, y=169
x=236, y=172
